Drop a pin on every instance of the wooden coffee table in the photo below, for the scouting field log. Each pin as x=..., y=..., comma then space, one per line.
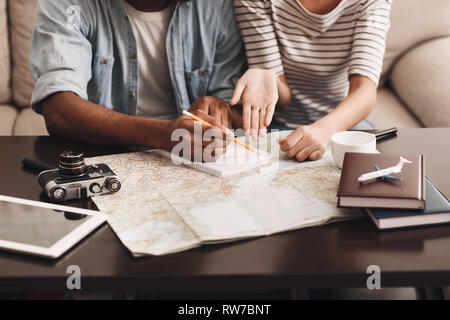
x=332, y=256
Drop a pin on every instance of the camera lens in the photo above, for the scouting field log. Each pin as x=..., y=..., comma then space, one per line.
x=71, y=163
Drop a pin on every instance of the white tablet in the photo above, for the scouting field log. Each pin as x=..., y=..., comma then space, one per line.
x=43, y=229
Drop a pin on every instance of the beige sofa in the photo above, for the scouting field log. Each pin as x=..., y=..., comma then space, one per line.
x=16, y=82
x=415, y=91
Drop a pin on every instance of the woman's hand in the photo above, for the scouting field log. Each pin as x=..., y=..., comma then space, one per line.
x=307, y=142
x=258, y=90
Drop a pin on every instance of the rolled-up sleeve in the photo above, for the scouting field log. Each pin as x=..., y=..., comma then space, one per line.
x=61, y=54
x=229, y=61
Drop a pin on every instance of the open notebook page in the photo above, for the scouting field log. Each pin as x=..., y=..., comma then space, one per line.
x=236, y=160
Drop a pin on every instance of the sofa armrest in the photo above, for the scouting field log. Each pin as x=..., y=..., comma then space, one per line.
x=421, y=79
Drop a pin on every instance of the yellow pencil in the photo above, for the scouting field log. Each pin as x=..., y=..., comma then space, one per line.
x=235, y=140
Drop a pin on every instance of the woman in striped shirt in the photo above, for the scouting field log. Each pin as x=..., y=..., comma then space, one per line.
x=317, y=62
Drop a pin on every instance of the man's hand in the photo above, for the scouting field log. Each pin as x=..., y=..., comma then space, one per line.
x=306, y=142
x=215, y=108
x=258, y=90
x=199, y=140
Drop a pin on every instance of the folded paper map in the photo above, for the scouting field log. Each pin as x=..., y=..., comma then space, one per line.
x=164, y=207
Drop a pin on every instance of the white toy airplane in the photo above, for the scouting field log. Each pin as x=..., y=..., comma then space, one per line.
x=385, y=173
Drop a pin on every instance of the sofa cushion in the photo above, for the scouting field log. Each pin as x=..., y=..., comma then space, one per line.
x=412, y=22
x=421, y=79
x=5, y=61
x=22, y=14
x=8, y=116
x=29, y=123
x=390, y=112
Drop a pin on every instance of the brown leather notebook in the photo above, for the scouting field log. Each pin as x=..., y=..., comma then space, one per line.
x=407, y=193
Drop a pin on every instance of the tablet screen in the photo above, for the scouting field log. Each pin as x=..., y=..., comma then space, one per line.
x=36, y=226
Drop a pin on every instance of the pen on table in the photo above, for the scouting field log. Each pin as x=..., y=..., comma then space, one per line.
x=35, y=165
x=235, y=140
x=386, y=133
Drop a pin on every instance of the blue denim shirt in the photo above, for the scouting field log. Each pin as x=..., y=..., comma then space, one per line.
x=88, y=47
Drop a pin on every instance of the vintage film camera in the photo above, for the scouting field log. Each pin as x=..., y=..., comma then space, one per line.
x=74, y=180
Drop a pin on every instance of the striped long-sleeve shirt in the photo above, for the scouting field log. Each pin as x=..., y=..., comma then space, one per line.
x=317, y=53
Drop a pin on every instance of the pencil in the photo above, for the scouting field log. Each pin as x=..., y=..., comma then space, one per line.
x=235, y=140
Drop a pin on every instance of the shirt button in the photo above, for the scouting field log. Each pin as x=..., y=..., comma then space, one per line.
x=133, y=56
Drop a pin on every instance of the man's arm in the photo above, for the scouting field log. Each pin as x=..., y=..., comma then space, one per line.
x=61, y=57
x=61, y=62
x=61, y=54
x=70, y=116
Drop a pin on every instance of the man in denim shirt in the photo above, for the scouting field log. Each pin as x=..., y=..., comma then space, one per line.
x=85, y=59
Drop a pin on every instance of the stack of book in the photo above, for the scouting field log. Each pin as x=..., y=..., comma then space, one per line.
x=405, y=199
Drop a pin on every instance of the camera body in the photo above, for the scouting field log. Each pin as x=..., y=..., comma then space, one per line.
x=74, y=180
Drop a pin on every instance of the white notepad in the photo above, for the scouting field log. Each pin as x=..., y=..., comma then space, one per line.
x=236, y=160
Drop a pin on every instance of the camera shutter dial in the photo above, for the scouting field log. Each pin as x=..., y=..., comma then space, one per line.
x=95, y=188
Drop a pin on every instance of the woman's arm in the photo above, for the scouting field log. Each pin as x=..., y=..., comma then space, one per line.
x=369, y=44
x=311, y=141
x=284, y=93
x=264, y=85
x=354, y=108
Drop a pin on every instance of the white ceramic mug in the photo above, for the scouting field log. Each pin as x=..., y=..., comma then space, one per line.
x=351, y=141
